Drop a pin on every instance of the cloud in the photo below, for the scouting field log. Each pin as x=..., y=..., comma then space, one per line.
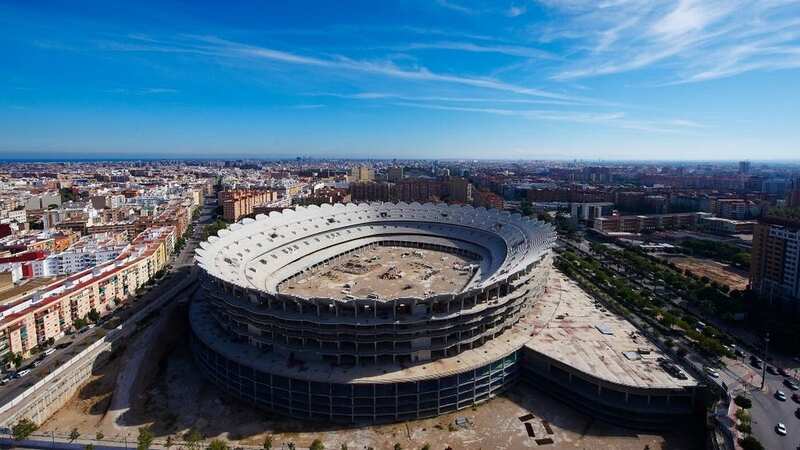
x=689, y=40
x=516, y=11
x=309, y=106
x=614, y=119
x=511, y=50
x=142, y=91
x=214, y=46
x=455, y=6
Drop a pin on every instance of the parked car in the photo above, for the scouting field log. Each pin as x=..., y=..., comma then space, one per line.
x=5, y=379
x=772, y=370
x=783, y=372
x=712, y=372
x=796, y=398
x=49, y=351
x=790, y=384
x=780, y=396
x=780, y=428
x=22, y=373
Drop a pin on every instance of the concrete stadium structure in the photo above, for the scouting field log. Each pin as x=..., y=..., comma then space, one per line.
x=366, y=359
x=362, y=358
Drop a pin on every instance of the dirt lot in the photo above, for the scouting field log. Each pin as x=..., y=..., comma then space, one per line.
x=388, y=272
x=716, y=271
x=179, y=399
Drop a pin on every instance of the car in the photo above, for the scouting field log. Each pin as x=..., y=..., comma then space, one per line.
x=22, y=373
x=797, y=413
x=5, y=379
x=37, y=362
x=49, y=351
x=738, y=353
x=63, y=345
x=772, y=370
x=712, y=372
x=796, y=398
x=780, y=396
x=780, y=428
x=783, y=372
x=790, y=384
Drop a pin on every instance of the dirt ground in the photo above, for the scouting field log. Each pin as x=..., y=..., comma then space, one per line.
x=388, y=272
x=180, y=399
x=716, y=271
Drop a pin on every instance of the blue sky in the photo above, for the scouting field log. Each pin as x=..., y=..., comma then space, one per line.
x=589, y=79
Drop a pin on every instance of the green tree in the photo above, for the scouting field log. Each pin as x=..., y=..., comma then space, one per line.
x=168, y=443
x=267, y=443
x=145, y=438
x=23, y=429
x=99, y=436
x=316, y=445
x=290, y=446
x=93, y=315
x=426, y=447
x=192, y=438
x=217, y=444
x=343, y=447
x=88, y=446
x=74, y=434
x=397, y=446
x=750, y=443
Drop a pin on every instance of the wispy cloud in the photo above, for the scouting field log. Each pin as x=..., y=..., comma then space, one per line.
x=309, y=106
x=449, y=4
x=511, y=50
x=692, y=40
x=142, y=91
x=516, y=11
x=615, y=119
x=214, y=46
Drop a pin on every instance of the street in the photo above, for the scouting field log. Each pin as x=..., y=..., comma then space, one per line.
x=75, y=343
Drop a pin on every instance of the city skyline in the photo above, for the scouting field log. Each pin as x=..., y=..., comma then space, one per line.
x=623, y=80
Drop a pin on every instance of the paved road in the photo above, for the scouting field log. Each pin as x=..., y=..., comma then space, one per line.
x=738, y=376
x=76, y=343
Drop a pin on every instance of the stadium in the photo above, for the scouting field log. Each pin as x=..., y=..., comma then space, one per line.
x=369, y=312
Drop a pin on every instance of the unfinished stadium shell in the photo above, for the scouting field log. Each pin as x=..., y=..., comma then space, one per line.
x=364, y=358
x=367, y=313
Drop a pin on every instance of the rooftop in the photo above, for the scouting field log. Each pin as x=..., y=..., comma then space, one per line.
x=573, y=328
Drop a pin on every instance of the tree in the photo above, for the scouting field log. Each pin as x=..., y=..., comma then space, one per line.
x=290, y=446
x=23, y=429
x=145, y=439
x=426, y=447
x=397, y=446
x=217, y=444
x=750, y=443
x=267, y=443
x=168, y=443
x=93, y=315
x=743, y=402
x=74, y=434
x=316, y=444
x=99, y=436
x=88, y=446
x=343, y=447
x=192, y=438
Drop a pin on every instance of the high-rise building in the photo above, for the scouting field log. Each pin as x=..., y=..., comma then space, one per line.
x=362, y=173
x=395, y=174
x=744, y=167
x=793, y=196
x=775, y=264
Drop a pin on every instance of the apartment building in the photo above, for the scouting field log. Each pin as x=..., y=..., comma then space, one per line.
x=775, y=262
x=238, y=203
x=721, y=225
x=637, y=224
x=50, y=312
